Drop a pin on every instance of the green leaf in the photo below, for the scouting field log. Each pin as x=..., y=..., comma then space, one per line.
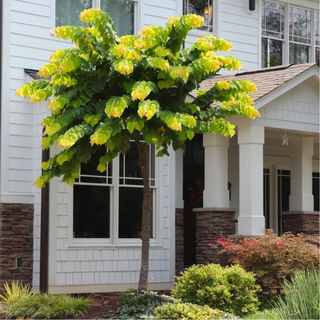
x=102, y=134
x=115, y=106
x=148, y=108
x=73, y=135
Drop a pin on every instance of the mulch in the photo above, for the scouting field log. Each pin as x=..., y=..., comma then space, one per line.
x=103, y=305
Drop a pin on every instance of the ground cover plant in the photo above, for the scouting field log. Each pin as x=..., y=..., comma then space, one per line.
x=135, y=304
x=229, y=289
x=271, y=258
x=19, y=301
x=108, y=92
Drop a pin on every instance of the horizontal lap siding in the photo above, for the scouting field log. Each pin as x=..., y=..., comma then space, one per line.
x=30, y=43
x=300, y=105
x=84, y=265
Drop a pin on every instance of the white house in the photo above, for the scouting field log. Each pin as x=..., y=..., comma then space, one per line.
x=265, y=176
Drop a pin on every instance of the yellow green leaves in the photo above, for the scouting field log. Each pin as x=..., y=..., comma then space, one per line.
x=188, y=121
x=248, y=86
x=230, y=63
x=40, y=182
x=92, y=119
x=37, y=90
x=147, y=109
x=128, y=40
x=134, y=123
x=179, y=72
x=90, y=15
x=48, y=69
x=166, y=84
x=124, y=67
x=102, y=134
x=211, y=43
x=192, y=21
x=115, y=106
x=120, y=51
x=219, y=125
x=57, y=104
x=172, y=120
x=53, y=127
x=173, y=22
x=159, y=63
x=72, y=135
x=141, y=89
x=64, y=156
x=63, y=80
x=250, y=112
x=222, y=85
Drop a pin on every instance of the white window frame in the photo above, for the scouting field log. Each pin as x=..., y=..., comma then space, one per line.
x=286, y=42
x=97, y=4
x=114, y=240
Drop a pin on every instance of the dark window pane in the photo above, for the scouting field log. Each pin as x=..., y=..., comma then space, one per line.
x=316, y=190
x=317, y=27
x=317, y=55
x=300, y=24
x=122, y=12
x=273, y=20
x=91, y=211
x=266, y=196
x=68, y=11
x=271, y=52
x=283, y=195
x=129, y=164
x=298, y=53
x=202, y=8
x=130, y=211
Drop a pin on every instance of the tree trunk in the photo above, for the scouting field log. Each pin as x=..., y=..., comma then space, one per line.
x=146, y=215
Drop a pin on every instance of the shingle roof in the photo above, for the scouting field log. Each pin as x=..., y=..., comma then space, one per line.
x=266, y=80
x=32, y=73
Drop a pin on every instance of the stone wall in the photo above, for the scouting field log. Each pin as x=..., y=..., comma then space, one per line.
x=16, y=242
x=301, y=222
x=179, y=241
x=210, y=224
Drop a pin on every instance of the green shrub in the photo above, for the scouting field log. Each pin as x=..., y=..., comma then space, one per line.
x=186, y=311
x=270, y=257
x=230, y=289
x=302, y=297
x=134, y=304
x=46, y=306
x=15, y=291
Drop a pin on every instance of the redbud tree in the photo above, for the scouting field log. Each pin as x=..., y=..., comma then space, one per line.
x=107, y=91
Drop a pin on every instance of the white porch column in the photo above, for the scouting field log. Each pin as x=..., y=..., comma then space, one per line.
x=251, y=139
x=215, y=194
x=301, y=197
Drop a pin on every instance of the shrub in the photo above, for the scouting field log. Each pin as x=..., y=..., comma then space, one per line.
x=302, y=297
x=270, y=257
x=15, y=291
x=186, y=311
x=230, y=289
x=134, y=304
x=46, y=306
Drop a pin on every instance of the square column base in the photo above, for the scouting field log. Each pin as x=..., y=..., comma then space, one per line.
x=251, y=225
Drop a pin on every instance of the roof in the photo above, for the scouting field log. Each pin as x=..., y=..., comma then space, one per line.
x=32, y=73
x=266, y=80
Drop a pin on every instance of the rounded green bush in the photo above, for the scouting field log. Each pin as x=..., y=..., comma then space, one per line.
x=230, y=289
x=186, y=311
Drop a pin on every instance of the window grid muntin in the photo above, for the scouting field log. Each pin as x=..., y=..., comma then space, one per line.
x=314, y=47
x=292, y=36
x=208, y=21
x=271, y=33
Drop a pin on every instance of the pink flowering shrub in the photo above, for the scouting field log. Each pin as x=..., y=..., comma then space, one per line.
x=270, y=257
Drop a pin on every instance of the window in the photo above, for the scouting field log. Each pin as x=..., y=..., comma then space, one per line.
x=288, y=35
x=99, y=197
x=121, y=11
x=203, y=8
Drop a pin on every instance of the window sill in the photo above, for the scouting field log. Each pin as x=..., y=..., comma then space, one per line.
x=106, y=243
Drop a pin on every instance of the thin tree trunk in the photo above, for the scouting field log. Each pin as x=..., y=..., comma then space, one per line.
x=146, y=215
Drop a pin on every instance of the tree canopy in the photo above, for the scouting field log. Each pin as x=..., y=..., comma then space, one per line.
x=107, y=90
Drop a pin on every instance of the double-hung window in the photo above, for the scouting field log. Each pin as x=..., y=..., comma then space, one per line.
x=290, y=34
x=121, y=11
x=203, y=8
x=109, y=205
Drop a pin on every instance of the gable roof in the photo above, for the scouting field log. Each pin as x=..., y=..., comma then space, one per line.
x=267, y=80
